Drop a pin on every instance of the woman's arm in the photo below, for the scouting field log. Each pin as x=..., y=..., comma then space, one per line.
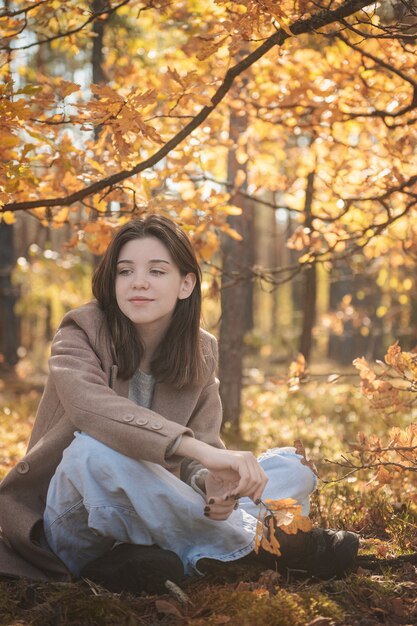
x=239, y=472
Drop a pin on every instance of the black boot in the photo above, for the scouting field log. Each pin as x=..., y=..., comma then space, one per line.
x=134, y=569
x=334, y=552
x=322, y=553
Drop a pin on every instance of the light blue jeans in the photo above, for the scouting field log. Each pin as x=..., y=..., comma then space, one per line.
x=99, y=497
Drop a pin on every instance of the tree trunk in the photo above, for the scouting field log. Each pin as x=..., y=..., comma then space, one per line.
x=236, y=293
x=249, y=243
x=310, y=281
x=97, y=54
x=9, y=339
x=98, y=78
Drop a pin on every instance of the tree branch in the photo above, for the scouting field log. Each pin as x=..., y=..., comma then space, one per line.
x=378, y=61
x=25, y=10
x=311, y=24
x=73, y=31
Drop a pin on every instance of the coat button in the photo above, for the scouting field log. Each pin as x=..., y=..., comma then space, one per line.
x=23, y=467
x=141, y=421
x=156, y=425
x=128, y=418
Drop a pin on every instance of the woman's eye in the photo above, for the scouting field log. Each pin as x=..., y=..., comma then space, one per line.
x=157, y=272
x=124, y=272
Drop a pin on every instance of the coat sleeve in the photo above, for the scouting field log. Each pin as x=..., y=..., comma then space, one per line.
x=94, y=408
x=206, y=419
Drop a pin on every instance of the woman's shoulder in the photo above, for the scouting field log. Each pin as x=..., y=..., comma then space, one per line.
x=209, y=348
x=86, y=323
x=85, y=316
x=207, y=339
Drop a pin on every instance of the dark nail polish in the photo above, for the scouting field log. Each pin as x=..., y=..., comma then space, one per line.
x=237, y=497
x=211, y=501
x=258, y=501
x=206, y=514
x=206, y=509
x=236, y=506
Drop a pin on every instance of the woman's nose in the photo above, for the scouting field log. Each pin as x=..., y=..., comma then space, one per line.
x=140, y=281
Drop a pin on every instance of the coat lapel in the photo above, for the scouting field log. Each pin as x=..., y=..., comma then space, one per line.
x=168, y=403
x=121, y=387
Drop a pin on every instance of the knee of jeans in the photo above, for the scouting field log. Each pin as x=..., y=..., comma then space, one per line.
x=119, y=523
x=82, y=446
x=309, y=474
x=292, y=463
x=88, y=456
x=272, y=453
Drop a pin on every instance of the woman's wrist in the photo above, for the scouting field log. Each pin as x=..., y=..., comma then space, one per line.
x=192, y=448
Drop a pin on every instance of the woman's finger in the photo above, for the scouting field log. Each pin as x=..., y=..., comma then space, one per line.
x=260, y=481
x=219, y=508
x=217, y=513
x=252, y=478
x=257, y=494
x=224, y=502
x=245, y=475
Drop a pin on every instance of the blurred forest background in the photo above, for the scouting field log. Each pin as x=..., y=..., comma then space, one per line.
x=282, y=137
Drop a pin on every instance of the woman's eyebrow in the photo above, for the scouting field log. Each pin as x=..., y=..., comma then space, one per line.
x=150, y=261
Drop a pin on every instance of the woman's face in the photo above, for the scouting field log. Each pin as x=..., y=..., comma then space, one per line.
x=148, y=284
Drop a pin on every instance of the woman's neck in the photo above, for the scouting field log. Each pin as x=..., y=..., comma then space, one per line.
x=150, y=341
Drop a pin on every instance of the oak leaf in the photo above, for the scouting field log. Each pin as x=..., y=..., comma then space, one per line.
x=285, y=514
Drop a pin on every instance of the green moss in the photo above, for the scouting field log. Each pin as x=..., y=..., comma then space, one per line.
x=317, y=603
x=258, y=607
x=284, y=609
x=224, y=600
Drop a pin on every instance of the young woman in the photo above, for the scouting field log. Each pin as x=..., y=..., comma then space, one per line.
x=126, y=480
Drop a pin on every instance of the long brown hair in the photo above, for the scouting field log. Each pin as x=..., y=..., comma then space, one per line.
x=178, y=359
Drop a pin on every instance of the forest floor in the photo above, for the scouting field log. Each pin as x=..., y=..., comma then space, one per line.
x=326, y=417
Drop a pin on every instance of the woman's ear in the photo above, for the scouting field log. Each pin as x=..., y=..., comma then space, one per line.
x=187, y=286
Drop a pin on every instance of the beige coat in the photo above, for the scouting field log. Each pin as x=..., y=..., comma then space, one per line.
x=84, y=393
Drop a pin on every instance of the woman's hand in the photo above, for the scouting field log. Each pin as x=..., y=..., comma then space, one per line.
x=238, y=473
x=218, y=505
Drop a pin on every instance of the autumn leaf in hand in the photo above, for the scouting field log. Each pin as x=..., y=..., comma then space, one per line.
x=285, y=514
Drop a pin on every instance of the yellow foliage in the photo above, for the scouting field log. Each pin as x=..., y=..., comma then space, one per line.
x=296, y=372
x=231, y=232
x=285, y=514
x=206, y=245
x=344, y=110
x=8, y=217
x=231, y=210
x=393, y=461
x=97, y=235
x=392, y=387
